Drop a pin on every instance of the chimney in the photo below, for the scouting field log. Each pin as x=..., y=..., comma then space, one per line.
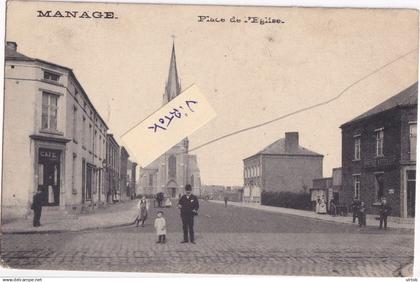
x=12, y=45
x=291, y=142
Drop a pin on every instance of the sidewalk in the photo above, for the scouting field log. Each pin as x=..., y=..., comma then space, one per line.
x=370, y=219
x=120, y=214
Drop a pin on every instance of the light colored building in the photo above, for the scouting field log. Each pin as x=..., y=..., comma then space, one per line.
x=280, y=167
x=174, y=169
x=54, y=138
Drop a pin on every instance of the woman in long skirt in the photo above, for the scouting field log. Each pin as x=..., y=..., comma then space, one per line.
x=143, y=207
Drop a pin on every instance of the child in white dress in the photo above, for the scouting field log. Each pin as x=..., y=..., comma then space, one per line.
x=160, y=227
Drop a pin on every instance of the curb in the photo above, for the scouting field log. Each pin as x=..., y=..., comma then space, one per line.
x=55, y=231
x=310, y=217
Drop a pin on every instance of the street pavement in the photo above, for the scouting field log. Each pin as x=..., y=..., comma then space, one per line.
x=231, y=240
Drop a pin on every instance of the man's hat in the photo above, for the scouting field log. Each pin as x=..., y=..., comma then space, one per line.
x=188, y=187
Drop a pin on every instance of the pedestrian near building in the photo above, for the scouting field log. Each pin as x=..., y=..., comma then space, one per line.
x=226, y=200
x=143, y=208
x=37, y=208
x=355, y=206
x=362, y=214
x=384, y=211
x=188, y=204
x=160, y=227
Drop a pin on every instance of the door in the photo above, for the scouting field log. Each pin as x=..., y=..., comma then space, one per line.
x=89, y=183
x=411, y=192
x=49, y=176
x=172, y=192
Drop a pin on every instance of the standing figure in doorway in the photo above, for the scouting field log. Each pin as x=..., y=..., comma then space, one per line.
x=188, y=204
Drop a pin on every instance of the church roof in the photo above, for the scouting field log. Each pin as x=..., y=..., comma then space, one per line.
x=406, y=97
x=173, y=85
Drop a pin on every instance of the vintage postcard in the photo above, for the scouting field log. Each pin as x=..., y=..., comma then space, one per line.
x=209, y=139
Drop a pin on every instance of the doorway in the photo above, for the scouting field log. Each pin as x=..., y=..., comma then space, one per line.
x=411, y=192
x=49, y=162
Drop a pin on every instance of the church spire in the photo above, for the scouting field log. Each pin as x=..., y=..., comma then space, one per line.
x=173, y=85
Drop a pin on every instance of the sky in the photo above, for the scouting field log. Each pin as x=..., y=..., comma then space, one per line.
x=249, y=73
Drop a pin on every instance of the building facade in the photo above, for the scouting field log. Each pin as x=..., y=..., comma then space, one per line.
x=175, y=168
x=113, y=169
x=281, y=166
x=131, y=177
x=58, y=146
x=124, y=180
x=379, y=154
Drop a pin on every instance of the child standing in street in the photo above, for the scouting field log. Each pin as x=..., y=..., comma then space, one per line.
x=160, y=227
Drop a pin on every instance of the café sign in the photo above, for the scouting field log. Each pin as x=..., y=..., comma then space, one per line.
x=49, y=155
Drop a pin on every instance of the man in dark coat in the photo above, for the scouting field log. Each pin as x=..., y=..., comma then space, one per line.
x=384, y=210
x=188, y=204
x=37, y=207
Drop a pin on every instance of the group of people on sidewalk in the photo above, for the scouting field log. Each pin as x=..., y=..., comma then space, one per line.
x=359, y=211
x=188, y=205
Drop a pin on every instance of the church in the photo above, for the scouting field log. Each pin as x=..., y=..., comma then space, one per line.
x=174, y=169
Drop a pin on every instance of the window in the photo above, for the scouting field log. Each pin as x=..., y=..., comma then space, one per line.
x=150, y=179
x=51, y=76
x=49, y=111
x=379, y=142
x=74, y=123
x=90, y=137
x=95, y=142
x=356, y=186
x=413, y=141
x=172, y=166
x=73, y=172
x=357, y=148
x=84, y=132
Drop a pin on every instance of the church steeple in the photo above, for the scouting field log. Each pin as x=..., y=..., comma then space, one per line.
x=173, y=85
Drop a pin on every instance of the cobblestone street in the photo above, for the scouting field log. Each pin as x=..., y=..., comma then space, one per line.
x=230, y=240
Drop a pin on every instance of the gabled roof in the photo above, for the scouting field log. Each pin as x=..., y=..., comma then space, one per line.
x=279, y=148
x=12, y=54
x=406, y=97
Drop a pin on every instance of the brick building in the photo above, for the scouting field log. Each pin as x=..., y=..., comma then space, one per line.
x=281, y=166
x=379, y=154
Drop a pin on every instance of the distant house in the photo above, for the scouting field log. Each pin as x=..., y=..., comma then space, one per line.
x=281, y=166
x=328, y=188
x=379, y=154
